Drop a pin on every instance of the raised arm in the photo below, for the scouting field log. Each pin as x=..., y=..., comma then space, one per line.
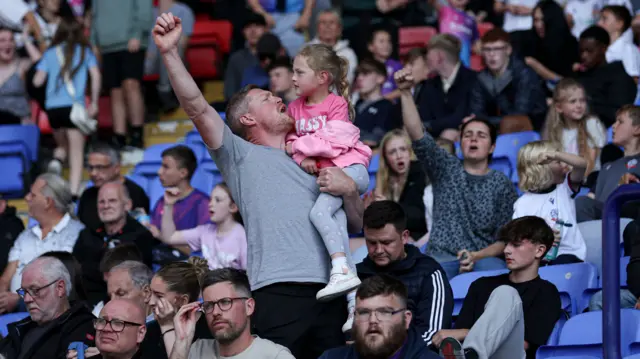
x=166, y=35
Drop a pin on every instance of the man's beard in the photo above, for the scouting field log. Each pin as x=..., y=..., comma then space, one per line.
x=390, y=343
x=230, y=334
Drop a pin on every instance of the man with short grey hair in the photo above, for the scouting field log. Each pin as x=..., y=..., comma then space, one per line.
x=131, y=280
x=50, y=204
x=53, y=323
x=103, y=165
x=329, y=32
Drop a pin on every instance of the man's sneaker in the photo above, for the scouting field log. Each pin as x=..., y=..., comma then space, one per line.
x=340, y=283
x=349, y=323
x=450, y=348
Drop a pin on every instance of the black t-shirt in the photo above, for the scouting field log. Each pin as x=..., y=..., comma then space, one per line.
x=152, y=347
x=88, y=204
x=540, y=306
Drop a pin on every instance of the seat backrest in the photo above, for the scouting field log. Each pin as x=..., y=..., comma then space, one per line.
x=509, y=144
x=27, y=134
x=586, y=328
x=141, y=181
x=7, y=319
x=414, y=36
x=460, y=284
x=359, y=254
x=592, y=233
x=501, y=164
x=571, y=279
x=153, y=154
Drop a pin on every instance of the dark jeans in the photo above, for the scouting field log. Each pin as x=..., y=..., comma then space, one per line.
x=564, y=259
x=290, y=315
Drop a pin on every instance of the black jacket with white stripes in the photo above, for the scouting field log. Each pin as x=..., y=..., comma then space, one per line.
x=430, y=295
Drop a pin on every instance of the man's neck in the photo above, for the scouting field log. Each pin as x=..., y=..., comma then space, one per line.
x=116, y=226
x=48, y=221
x=374, y=95
x=525, y=274
x=237, y=346
x=328, y=42
x=501, y=71
x=268, y=140
x=478, y=168
x=185, y=188
x=447, y=70
x=633, y=148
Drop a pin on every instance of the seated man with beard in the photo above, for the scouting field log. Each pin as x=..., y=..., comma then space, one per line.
x=381, y=324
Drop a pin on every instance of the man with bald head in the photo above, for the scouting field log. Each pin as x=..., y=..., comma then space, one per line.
x=52, y=323
x=118, y=227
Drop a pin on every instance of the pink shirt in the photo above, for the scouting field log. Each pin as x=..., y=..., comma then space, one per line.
x=228, y=250
x=324, y=131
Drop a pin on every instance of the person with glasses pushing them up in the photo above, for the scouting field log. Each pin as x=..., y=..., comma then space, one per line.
x=227, y=306
x=52, y=323
x=381, y=327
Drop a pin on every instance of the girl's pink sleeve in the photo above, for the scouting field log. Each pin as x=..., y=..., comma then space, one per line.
x=339, y=110
x=242, y=242
x=193, y=236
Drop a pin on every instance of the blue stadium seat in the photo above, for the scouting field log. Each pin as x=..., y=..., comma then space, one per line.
x=588, y=293
x=555, y=334
x=141, y=181
x=374, y=165
x=502, y=164
x=509, y=144
x=610, y=134
x=582, y=335
x=209, y=167
x=6, y=319
x=360, y=254
x=15, y=180
x=571, y=281
x=460, y=285
x=27, y=136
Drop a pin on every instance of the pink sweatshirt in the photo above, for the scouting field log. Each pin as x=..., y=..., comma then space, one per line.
x=324, y=131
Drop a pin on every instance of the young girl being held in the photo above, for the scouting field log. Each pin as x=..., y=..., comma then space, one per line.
x=223, y=242
x=570, y=124
x=326, y=137
x=551, y=179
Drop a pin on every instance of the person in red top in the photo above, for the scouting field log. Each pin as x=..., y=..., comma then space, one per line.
x=325, y=136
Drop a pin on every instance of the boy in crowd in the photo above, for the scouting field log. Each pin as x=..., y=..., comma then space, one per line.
x=509, y=315
x=607, y=85
x=373, y=112
x=380, y=46
x=281, y=79
x=626, y=133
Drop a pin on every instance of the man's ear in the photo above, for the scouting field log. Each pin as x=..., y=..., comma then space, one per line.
x=247, y=120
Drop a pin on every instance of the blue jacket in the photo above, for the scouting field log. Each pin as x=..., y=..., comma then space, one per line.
x=414, y=348
x=430, y=295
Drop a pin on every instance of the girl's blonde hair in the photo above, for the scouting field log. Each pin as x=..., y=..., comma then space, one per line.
x=322, y=58
x=534, y=176
x=555, y=122
x=382, y=177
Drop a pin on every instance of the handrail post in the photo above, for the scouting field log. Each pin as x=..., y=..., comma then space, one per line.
x=611, y=268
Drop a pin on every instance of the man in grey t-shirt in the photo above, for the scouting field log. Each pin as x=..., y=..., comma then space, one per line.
x=228, y=307
x=287, y=260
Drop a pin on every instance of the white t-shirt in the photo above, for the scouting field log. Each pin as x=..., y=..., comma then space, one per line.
x=12, y=12
x=259, y=349
x=624, y=50
x=597, y=138
x=583, y=13
x=557, y=204
x=518, y=22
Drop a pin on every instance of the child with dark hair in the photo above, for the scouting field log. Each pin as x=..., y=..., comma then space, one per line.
x=509, y=315
x=373, y=112
x=380, y=46
x=616, y=19
x=608, y=85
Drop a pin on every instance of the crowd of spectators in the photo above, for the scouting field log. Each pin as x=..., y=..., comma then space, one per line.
x=244, y=271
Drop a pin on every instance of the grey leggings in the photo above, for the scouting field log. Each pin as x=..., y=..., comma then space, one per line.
x=332, y=229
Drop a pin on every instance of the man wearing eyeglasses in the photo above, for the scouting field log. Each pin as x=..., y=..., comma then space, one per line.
x=227, y=307
x=508, y=92
x=381, y=327
x=52, y=323
x=119, y=331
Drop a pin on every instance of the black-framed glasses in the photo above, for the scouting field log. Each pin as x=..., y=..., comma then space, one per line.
x=116, y=325
x=382, y=314
x=224, y=304
x=35, y=291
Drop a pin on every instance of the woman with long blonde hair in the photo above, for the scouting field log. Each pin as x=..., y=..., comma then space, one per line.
x=569, y=124
x=401, y=179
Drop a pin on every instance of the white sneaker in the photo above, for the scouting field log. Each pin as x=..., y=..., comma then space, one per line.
x=349, y=323
x=340, y=283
